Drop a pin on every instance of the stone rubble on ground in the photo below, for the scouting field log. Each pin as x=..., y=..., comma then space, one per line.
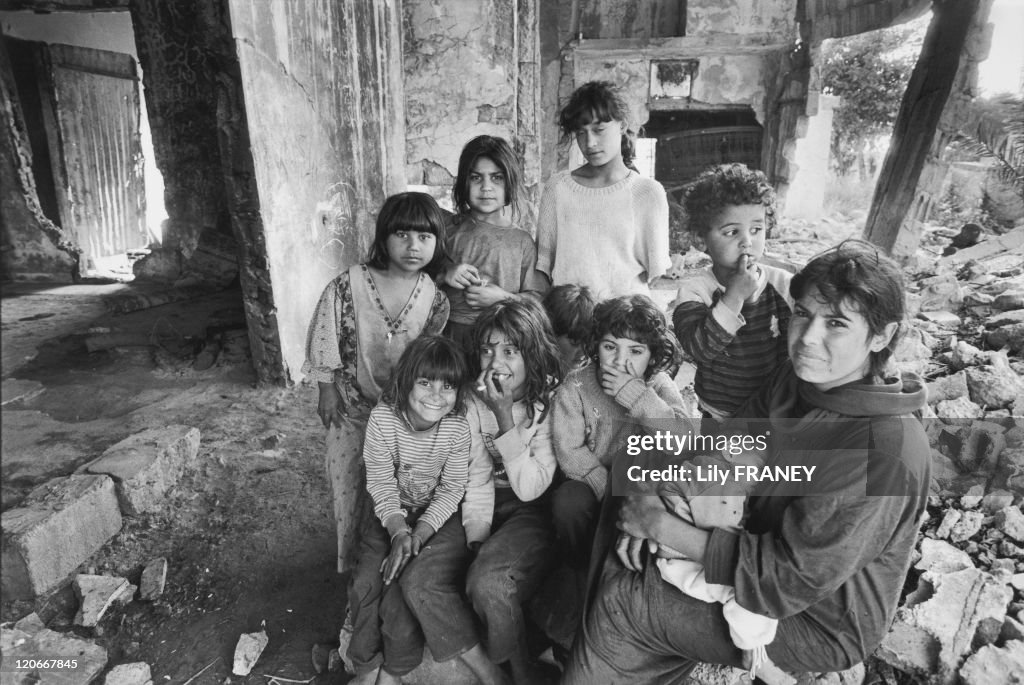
x=137, y=673
x=96, y=594
x=30, y=639
x=154, y=577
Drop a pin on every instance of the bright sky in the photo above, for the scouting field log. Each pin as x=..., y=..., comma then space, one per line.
x=1002, y=71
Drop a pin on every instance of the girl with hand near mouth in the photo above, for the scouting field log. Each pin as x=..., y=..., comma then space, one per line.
x=491, y=258
x=363, y=322
x=602, y=225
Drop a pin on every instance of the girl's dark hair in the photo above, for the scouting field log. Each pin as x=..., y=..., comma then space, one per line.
x=597, y=101
x=857, y=273
x=718, y=187
x=525, y=325
x=570, y=308
x=498, y=151
x=408, y=212
x=434, y=358
x=638, y=318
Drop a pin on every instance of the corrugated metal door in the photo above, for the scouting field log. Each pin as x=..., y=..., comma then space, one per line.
x=99, y=164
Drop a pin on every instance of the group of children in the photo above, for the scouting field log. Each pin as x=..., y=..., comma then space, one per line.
x=485, y=406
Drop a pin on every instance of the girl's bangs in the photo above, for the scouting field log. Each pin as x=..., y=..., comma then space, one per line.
x=440, y=365
x=587, y=113
x=418, y=221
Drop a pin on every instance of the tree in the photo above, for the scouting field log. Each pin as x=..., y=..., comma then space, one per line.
x=869, y=71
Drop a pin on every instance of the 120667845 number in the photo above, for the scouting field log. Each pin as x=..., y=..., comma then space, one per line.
x=38, y=664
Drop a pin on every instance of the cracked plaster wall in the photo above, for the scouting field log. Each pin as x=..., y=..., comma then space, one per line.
x=321, y=102
x=741, y=17
x=461, y=69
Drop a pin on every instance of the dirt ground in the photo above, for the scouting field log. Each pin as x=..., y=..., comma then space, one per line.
x=247, y=531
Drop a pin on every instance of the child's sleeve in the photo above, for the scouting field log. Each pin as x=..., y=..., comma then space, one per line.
x=380, y=475
x=324, y=339
x=652, y=240
x=531, y=281
x=452, y=483
x=546, y=231
x=529, y=458
x=657, y=401
x=704, y=330
x=478, y=509
x=438, y=317
x=574, y=456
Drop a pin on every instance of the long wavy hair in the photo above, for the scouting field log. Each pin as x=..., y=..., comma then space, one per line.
x=525, y=325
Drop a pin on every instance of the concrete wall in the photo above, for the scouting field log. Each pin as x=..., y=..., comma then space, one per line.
x=741, y=17
x=635, y=19
x=322, y=100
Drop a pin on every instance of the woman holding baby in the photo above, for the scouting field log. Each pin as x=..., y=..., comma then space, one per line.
x=820, y=563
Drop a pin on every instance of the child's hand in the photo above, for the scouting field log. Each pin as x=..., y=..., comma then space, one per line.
x=497, y=398
x=742, y=283
x=485, y=294
x=461, y=276
x=402, y=551
x=613, y=379
x=331, y=407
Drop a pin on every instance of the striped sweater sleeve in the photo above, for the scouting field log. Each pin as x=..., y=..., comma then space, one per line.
x=704, y=329
x=452, y=483
x=381, y=482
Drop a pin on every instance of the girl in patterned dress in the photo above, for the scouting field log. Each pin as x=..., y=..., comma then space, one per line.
x=363, y=322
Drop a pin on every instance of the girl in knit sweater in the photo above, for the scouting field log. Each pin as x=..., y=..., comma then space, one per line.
x=602, y=225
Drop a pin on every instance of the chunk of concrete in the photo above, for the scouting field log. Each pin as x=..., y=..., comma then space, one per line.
x=146, y=465
x=136, y=673
x=248, y=650
x=936, y=628
x=31, y=624
x=995, y=385
x=992, y=664
x=1012, y=630
x=90, y=658
x=96, y=595
x=972, y=498
x=968, y=525
x=949, y=519
x=154, y=577
x=59, y=525
x=939, y=556
x=1010, y=520
x=958, y=409
x=15, y=389
x=996, y=500
x=948, y=387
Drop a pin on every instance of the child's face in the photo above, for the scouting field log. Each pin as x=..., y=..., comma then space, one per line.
x=503, y=359
x=410, y=251
x=623, y=354
x=737, y=230
x=430, y=401
x=568, y=351
x=486, y=188
x=600, y=141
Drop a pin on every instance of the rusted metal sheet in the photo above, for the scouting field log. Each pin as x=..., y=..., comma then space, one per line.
x=96, y=99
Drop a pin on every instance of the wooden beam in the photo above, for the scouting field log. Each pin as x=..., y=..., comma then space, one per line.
x=918, y=118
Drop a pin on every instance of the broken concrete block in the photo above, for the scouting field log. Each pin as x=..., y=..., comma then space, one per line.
x=154, y=576
x=967, y=527
x=96, y=595
x=16, y=644
x=1008, y=549
x=1010, y=336
x=936, y=628
x=960, y=409
x=942, y=317
x=972, y=498
x=146, y=465
x=1010, y=520
x=941, y=557
x=136, y=673
x=1012, y=630
x=994, y=385
x=1009, y=300
x=981, y=447
x=949, y=519
x=992, y=664
x=248, y=650
x=1005, y=319
x=996, y=500
x=15, y=389
x=964, y=354
x=947, y=388
x=940, y=292
x=1017, y=581
x=59, y=525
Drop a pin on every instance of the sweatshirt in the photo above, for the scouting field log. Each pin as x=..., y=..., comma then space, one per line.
x=838, y=553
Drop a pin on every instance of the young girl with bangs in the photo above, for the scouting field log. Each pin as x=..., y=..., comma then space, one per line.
x=417, y=457
x=506, y=536
x=365, y=319
x=602, y=225
x=491, y=258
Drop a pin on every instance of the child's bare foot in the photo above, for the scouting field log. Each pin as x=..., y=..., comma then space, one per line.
x=385, y=678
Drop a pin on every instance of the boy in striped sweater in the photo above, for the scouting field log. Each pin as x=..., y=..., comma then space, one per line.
x=732, y=318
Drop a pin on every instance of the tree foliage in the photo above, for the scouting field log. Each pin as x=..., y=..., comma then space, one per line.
x=869, y=72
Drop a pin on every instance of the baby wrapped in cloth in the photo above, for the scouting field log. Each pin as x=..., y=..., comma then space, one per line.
x=712, y=504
